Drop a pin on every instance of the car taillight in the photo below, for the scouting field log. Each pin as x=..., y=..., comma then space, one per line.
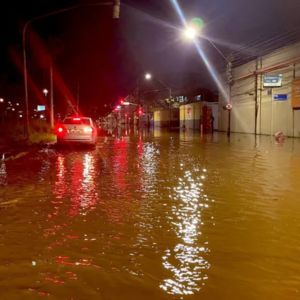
x=87, y=129
x=60, y=130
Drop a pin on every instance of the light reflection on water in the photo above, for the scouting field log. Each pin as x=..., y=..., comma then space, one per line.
x=3, y=173
x=153, y=216
x=186, y=260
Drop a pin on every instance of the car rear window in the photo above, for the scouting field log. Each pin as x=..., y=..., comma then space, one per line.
x=77, y=121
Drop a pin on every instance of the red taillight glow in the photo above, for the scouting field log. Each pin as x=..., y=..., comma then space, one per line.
x=87, y=129
x=60, y=130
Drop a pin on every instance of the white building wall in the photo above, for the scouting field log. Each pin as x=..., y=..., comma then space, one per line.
x=272, y=115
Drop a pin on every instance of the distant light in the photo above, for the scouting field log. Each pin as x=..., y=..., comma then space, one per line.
x=148, y=76
x=45, y=92
x=42, y=116
x=20, y=116
x=13, y=109
x=126, y=103
x=228, y=106
x=1, y=100
x=140, y=111
x=17, y=104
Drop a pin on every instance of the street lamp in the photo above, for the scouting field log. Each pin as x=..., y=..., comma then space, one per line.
x=116, y=12
x=192, y=33
x=148, y=76
x=45, y=92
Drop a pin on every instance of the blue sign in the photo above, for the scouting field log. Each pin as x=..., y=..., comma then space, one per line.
x=280, y=97
x=272, y=80
x=41, y=108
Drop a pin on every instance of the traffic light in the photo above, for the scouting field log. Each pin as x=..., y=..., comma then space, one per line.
x=140, y=111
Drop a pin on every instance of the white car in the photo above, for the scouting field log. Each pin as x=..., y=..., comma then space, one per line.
x=76, y=130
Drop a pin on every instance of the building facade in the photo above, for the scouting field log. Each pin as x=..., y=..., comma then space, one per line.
x=265, y=95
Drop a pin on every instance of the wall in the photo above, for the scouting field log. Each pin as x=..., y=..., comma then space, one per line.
x=166, y=118
x=190, y=115
x=272, y=116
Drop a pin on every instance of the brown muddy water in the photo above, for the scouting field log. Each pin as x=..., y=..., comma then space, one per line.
x=153, y=216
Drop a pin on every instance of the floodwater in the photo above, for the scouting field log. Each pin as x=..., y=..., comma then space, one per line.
x=153, y=215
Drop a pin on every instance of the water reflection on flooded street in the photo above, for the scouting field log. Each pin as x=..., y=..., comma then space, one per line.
x=153, y=215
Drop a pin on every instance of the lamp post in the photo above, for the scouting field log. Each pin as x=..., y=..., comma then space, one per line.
x=148, y=76
x=116, y=13
x=192, y=33
x=1, y=109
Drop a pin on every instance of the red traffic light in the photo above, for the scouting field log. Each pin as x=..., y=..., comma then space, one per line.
x=140, y=111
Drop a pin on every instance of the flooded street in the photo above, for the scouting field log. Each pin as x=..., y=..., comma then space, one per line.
x=153, y=215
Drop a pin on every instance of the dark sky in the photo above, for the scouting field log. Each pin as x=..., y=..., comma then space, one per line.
x=102, y=58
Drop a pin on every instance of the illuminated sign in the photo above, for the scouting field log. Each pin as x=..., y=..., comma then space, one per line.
x=273, y=80
x=41, y=108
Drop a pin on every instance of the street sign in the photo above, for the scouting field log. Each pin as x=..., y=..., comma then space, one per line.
x=280, y=97
x=41, y=108
x=296, y=93
x=273, y=80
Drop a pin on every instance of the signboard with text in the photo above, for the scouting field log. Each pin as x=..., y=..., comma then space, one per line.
x=273, y=80
x=296, y=93
x=41, y=108
x=280, y=97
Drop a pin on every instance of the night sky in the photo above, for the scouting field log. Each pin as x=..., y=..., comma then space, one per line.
x=99, y=58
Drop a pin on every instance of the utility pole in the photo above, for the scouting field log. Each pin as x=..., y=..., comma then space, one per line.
x=78, y=87
x=229, y=82
x=116, y=9
x=116, y=15
x=51, y=98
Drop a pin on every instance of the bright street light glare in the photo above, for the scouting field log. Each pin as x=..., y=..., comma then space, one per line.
x=190, y=33
x=45, y=91
x=148, y=76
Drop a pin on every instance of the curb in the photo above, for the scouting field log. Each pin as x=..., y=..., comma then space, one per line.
x=9, y=154
x=6, y=156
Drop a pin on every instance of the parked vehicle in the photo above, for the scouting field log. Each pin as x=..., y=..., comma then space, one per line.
x=76, y=130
